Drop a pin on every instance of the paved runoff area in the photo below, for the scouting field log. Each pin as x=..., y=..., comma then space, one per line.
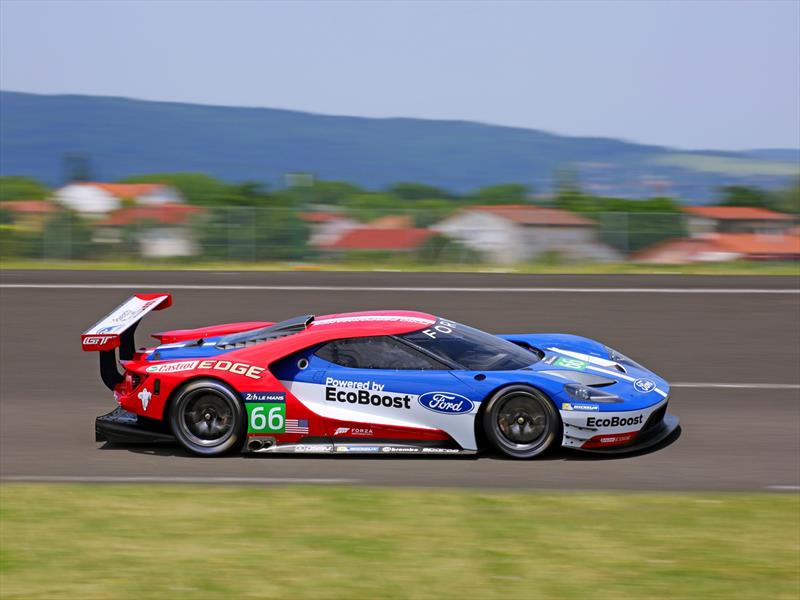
x=729, y=345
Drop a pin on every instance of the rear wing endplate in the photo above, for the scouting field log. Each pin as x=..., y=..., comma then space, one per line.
x=108, y=332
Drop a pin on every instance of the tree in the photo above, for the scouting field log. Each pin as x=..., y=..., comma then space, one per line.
x=509, y=193
x=410, y=190
x=743, y=195
x=22, y=188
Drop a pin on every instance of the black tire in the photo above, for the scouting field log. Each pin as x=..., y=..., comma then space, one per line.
x=207, y=418
x=521, y=422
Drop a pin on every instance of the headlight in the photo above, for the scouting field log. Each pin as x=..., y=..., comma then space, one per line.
x=582, y=393
x=622, y=359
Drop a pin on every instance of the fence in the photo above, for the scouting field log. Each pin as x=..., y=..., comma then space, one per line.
x=250, y=234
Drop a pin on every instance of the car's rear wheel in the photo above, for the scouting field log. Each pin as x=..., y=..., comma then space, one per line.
x=207, y=418
x=521, y=422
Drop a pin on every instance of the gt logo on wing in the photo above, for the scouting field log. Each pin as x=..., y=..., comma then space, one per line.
x=97, y=340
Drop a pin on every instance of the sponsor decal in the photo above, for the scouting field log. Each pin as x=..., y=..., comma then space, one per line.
x=144, y=396
x=584, y=407
x=400, y=449
x=97, y=340
x=446, y=403
x=236, y=368
x=374, y=318
x=263, y=396
x=107, y=329
x=318, y=448
x=354, y=431
x=614, y=421
x=358, y=448
x=440, y=450
x=570, y=363
x=441, y=326
x=644, y=385
x=363, y=392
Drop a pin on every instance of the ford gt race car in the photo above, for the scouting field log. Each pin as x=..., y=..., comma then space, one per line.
x=381, y=382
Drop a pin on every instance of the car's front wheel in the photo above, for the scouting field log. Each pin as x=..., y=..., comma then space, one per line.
x=520, y=421
x=207, y=418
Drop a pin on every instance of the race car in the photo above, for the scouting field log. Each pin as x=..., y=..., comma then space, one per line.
x=382, y=382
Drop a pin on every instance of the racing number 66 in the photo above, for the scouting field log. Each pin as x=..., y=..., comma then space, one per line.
x=267, y=417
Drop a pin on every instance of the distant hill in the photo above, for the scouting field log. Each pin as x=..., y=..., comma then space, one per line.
x=124, y=137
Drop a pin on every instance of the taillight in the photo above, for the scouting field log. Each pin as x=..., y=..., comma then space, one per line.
x=132, y=380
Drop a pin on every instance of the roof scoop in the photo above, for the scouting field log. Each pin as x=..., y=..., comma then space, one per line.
x=263, y=334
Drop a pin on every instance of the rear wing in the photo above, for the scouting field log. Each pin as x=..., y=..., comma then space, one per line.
x=117, y=329
x=109, y=331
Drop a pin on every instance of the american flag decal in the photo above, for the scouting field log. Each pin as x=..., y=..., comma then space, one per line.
x=297, y=426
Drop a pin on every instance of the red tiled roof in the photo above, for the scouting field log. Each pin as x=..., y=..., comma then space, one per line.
x=367, y=238
x=165, y=214
x=322, y=217
x=525, y=214
x=737, y=213
x=38, y=207
x=747, y=244
x=758, y=243
x=125, y=190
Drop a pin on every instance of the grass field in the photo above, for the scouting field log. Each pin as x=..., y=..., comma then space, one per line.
x=726, y=268
x=110, y=542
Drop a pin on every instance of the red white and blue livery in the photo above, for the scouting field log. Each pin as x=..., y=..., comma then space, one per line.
x=381, y=382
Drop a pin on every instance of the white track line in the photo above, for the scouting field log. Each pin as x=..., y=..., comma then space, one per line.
x=361, y=288
x=159, y=479
x=784, y=488
x=744, y=386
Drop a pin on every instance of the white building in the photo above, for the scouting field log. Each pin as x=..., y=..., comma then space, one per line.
x=513, y=233
x=93, y=198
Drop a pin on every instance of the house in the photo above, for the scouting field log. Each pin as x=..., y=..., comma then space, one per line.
x=736, y=219
x=160, y=230
x=327, y=227
x=512, y=233
x=30, y=214
x=375, y=239
x=719, y=247
x=97, y=199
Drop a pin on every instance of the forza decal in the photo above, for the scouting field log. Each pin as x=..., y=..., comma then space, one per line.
x=614, y=421
x=446, y=403
x=570, y=363
x=644, y=385
x=266, y=412
x=236, y=368
x=354, y=431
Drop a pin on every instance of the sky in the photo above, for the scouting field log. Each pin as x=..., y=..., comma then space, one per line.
x=695, y=75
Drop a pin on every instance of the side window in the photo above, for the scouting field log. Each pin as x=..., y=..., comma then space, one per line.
x=381, y=352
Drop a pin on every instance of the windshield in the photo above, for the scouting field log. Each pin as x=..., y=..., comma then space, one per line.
x=472, y=349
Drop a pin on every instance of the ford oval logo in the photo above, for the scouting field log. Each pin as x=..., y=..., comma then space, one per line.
x=446, y=403
x=644, y=385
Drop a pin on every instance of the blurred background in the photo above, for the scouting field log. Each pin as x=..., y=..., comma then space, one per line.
x=518, y=135
x=625, y=171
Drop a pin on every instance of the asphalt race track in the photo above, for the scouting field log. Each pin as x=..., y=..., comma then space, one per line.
x=715, y=338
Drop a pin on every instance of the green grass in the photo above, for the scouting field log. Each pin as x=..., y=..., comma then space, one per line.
x=119, y=542
x=727, y=165
x=726, y=268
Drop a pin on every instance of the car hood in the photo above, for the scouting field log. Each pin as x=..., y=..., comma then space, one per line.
x=570, y=358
